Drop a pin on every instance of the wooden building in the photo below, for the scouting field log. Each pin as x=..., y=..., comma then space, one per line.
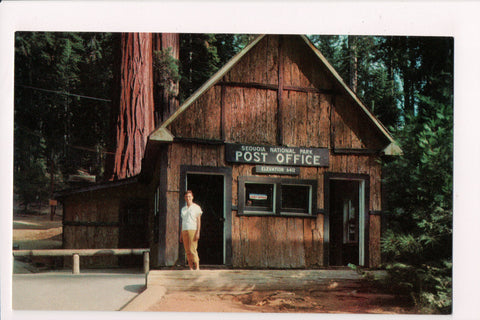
x=281, y=155
x=107, y=215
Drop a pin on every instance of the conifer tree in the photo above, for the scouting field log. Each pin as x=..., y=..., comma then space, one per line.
x=47, y=66
x=166, y=75
x=136, y=109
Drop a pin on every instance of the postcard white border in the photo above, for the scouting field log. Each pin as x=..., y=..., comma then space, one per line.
x=433, y=18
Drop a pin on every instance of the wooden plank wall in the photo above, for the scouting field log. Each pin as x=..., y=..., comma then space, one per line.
x=92, y=237
x=353, y=129
x=256, y=241
x=249, y=115
x=89, y=207
x=101, y=210
x=260, y=65
x=191, y=154
x=302, y=68
x=277, y=242
x=303, y=244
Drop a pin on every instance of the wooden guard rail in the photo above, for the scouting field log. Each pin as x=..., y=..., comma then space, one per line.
x=76, y=253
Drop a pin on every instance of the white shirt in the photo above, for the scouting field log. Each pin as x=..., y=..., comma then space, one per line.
x=190, y=215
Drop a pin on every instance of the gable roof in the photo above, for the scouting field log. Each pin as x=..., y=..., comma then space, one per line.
x=164, y=135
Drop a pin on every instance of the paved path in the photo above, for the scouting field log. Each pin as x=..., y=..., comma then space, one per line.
x=61, y=290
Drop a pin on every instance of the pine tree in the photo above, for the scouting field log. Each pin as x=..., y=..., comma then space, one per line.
x=418, y=245
x=89, y=145
x=359, y=61
x=408, y=83
x=199, y=60
x=47, y=66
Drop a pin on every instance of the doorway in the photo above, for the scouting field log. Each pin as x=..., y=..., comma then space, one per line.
x=132, y=230
x=347, y=226
x=209, y=193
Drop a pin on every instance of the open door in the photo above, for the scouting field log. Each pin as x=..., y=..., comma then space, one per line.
x=208, y=191
x=347, y=227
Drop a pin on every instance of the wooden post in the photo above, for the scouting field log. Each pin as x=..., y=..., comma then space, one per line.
x=53, y=206
x=76, y=253
x=146, y=262
x=76, y=263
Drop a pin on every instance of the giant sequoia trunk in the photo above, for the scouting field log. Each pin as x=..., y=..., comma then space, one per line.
x=166, y=96
x=136, y=109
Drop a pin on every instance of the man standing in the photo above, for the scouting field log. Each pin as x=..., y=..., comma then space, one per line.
x=191, y=214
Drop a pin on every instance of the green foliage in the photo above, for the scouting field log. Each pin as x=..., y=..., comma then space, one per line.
x=376, y=83
x=438, y=277
x=402, y=277
x=92, y=118
x=167, y=69
x=201, y=55
x=55, y=76
x=428, y=148
x=230, y=44
x=418, y=244
x=30, y=181
x=63, y=82
x=364, y=273
x=199, y=60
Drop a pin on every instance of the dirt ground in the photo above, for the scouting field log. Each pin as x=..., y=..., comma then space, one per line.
x=36, y=231
x=350, y=299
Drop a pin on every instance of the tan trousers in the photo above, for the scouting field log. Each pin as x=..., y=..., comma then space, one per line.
x=190, y=246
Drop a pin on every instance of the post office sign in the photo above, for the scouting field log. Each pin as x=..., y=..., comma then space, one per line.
x=283, y=156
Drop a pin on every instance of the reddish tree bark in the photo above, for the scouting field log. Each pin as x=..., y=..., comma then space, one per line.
x=166, y=99
x=136, y=108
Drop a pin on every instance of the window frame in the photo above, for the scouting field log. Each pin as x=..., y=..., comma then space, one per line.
x=277, y=183
x=256, y=210
x=290, y=211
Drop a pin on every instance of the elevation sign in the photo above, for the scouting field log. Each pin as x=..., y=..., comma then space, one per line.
x=284, y=156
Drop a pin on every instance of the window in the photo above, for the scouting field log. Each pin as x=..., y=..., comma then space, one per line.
x=276, y=196
x=296, y=198
x=259, y=197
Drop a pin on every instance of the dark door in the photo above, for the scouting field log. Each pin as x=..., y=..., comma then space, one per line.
x=133, y=230
x=344, y=222
x=208, y=192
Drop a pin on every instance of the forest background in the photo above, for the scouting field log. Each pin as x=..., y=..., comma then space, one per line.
x=63, y=126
